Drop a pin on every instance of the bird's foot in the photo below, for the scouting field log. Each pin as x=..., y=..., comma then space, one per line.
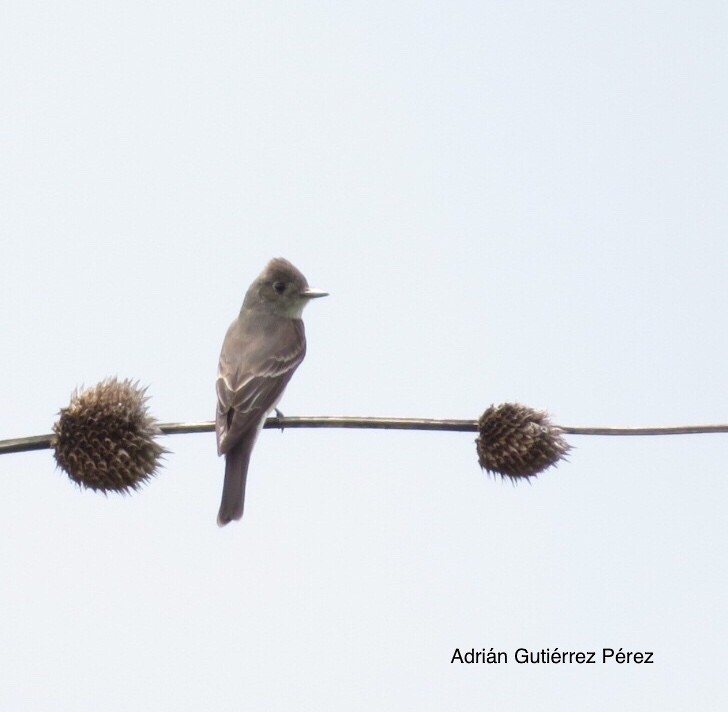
x=280, y=417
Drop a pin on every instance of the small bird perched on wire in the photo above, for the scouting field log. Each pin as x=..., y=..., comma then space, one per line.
x=262, y=349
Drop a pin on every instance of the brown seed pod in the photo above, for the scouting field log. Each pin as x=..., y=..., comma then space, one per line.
x=104, y=439
x=518, y=442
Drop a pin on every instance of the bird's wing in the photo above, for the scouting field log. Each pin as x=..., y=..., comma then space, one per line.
x=255, y=367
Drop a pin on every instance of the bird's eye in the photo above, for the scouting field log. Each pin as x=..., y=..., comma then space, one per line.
x=280, y=287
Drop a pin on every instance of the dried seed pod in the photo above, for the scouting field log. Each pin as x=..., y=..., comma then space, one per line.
x=104, y=439
x=518, y=442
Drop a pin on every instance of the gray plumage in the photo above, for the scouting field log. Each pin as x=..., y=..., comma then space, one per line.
x=262, y=349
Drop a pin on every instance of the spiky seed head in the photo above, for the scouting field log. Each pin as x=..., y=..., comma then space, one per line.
x=518, y=442
x=104, y=439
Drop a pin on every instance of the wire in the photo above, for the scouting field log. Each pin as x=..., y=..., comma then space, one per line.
x=43, y=442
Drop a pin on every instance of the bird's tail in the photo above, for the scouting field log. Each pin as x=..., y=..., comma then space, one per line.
x=236, y=475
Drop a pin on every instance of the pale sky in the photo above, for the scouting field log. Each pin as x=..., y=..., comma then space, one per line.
x=508, y=201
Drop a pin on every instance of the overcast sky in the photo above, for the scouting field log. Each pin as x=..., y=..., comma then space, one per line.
x=508, y=201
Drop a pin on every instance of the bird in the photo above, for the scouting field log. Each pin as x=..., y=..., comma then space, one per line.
x=262, y=348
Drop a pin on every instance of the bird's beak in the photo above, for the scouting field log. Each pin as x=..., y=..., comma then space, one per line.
x=310, y=293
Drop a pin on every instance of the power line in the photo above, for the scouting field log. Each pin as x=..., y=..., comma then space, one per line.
x=43, y=442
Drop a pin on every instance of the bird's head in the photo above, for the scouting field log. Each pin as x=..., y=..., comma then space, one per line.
x=282, y=289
